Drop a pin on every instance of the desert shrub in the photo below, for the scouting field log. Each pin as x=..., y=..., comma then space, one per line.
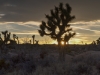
x=43, y=54
x=90, y=57
x=98, y=66
x=27, y=66
x=18, y=58
x=3, y=64
x=43, y=71
x=83, y=68
x=64, y=68
x=15, y=59
x=87, y=63
x=68, y=51
x=17, y=72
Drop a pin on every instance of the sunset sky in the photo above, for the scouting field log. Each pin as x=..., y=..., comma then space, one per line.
x=23, y=17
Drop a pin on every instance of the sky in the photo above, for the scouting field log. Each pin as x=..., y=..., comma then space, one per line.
x=23, y=17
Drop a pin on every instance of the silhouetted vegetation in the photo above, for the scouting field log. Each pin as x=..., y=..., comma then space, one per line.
x=33, y=38
x=57, y=25
x=7, y=38
x=98, y=41
x=15, y=37
x=29, y=58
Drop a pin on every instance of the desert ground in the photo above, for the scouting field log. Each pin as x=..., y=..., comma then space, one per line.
x=44, y=60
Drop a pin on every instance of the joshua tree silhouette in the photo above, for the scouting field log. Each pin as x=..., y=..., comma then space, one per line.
x=68, y=36
x=33, y=38
x=37, y=42
x=0, y=38
x=6, y=36
x=98, y=41
x=57, y=24
x=15, y=37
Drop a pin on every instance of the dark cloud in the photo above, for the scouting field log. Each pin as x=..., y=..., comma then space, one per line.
x=34, y=10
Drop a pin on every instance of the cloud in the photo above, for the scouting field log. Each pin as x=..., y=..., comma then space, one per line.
x=90, y=26
x=1, y=15
x=34, y=10
x=20, y=27
x=87, y=31
x=34, y=32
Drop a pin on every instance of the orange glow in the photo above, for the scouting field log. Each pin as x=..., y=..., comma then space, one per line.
x=55, y=42
x=62, y=42
x=74, y=41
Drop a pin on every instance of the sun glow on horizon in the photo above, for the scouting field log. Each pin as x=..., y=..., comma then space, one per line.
x=74, y=41
x=62, y=42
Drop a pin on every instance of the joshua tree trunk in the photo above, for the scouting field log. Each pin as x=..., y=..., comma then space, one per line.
x=61, y=56
x=33, y=40
x=61, y=49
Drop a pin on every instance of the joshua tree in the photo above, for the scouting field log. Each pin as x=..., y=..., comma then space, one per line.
x=6, y=36
x=67, y=37
x=37, y=42
x=93, y=43
x=6, y=39
x=33, y=38
x=98, y=41
x=0, y=38
x=15, y=37
x=30, y=41
x=57, y=23
x=12, y=42
x=57, y=26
